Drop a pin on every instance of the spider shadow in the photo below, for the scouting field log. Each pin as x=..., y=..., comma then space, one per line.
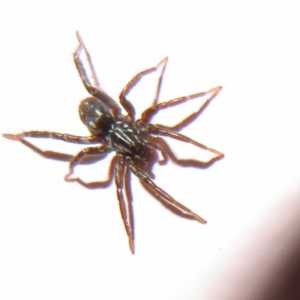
x=59, y=156
x=64, y=157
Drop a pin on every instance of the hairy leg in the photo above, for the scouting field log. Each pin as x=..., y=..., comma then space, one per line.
x=86, y=152
x=157, y=130
x=161, y=195
x=94, y=91
x=133, y=82
x=152, y=111
x=125, y=206
x=99, y=184
x=166, y=150
x=69, y=138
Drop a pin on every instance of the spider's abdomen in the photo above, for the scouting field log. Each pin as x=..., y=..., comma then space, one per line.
x=127, y=138
x=96, y=115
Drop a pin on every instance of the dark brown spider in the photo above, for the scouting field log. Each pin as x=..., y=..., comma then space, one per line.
x=135, y=142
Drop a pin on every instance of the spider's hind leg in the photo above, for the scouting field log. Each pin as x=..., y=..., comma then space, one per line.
x=92, y=87
x=133, y=82
x=89, y=59
x=69, y=138
x=150, y=112
x=83, y=157
x=45, y=153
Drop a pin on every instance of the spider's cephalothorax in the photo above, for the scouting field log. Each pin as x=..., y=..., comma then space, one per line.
x=135, y=142
x=127, y=138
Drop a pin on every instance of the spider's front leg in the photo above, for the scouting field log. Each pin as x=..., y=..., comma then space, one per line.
x=133, y=82
x=122, y=182
x=160, y=194
x=167, y=152
x=158, y=130
x=83, y=154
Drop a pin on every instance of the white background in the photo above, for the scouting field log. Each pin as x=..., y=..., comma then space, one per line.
x=59, y=240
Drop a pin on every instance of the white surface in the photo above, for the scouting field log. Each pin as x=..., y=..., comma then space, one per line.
x=61, y=241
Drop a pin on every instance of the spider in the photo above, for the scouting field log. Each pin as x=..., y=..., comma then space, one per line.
x=136, y=142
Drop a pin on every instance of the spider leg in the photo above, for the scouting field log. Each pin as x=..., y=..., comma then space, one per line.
x=155, y=144
x=125, y=207
x=161, y=195
x=127, y=181
x=68, y=157
x=178, y=136
x=167, y=152
x=100, y=184
x=94, y=91
x=126, y=103
x=54, y=135
x=86, y=152
x=151, y=111
x=45, y=153
x=89, y=60
x=160, y=79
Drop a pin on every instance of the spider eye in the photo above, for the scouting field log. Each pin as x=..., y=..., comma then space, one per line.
x=94, y=114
